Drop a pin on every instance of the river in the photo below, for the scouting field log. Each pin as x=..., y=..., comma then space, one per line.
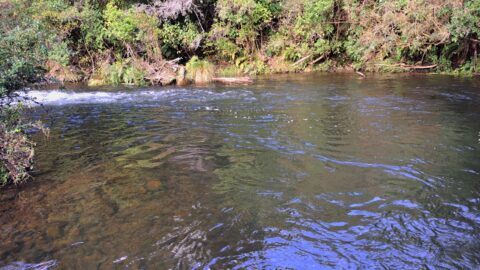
x=312, y=171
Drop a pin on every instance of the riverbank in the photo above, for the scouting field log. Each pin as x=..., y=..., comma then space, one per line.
x=229, y=74
x=137, y=43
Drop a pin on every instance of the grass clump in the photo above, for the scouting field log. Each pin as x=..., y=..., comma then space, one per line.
x=120, y=72
x=125, y=73
x=230, y=71
x=200, y=71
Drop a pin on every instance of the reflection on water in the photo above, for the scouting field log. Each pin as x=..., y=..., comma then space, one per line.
x=298, y=172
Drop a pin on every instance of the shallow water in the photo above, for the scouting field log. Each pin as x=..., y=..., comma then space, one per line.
x=296, y=172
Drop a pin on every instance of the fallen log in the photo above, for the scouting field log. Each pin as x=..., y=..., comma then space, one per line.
x=233, y=80
x=317, y=60
x=361, y=74
x=301, y=60
x=405, y=66
x=418, y=67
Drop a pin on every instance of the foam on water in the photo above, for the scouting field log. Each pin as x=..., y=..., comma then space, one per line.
x=30, y=266
x=63, y=97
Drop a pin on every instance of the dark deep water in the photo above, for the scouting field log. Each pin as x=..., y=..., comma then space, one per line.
x=312, y=171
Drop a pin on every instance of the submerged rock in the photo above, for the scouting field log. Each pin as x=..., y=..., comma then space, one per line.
x=53, y=231
x=154, y=184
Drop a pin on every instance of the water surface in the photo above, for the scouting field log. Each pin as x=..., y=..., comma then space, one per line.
x=294, y=172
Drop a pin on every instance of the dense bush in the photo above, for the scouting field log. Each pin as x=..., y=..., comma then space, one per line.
x=253, y=36
x=16, y=155
x=22, y=53
x=372, y=35
x=239, y=25
x=179, y=39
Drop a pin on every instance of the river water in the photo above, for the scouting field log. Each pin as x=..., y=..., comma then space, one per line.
x=312, y=171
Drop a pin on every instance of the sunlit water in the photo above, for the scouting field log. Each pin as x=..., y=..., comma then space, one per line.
x=297, y=172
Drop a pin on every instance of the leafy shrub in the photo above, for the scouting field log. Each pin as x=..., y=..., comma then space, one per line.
x=226, y=49
x=122, y=25
x=179, y=38
x=16, y=149
x=465, y=21
x=240, y=23
x=405, y=31
x=276, y=45
x=93, y=30
x=135, y=31
x=314, y=22
x=60, y=53
x=121, y=72
x=16, y=155
x=255, y=68
x=291, y=54
x=22, y=54
x=134, y=76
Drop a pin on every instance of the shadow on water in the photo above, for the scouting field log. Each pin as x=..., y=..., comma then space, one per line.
x=300, y=171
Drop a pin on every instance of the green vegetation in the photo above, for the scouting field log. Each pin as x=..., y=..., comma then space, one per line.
x=16, y=149
x=134, y=42
x=23, y=54
x=16, y=155
x=199, y=71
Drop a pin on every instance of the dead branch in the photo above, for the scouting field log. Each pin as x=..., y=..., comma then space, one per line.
x=301, y=60
x=233, y=80
x=361, y=74
x=317, y=60
x=405, y=66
